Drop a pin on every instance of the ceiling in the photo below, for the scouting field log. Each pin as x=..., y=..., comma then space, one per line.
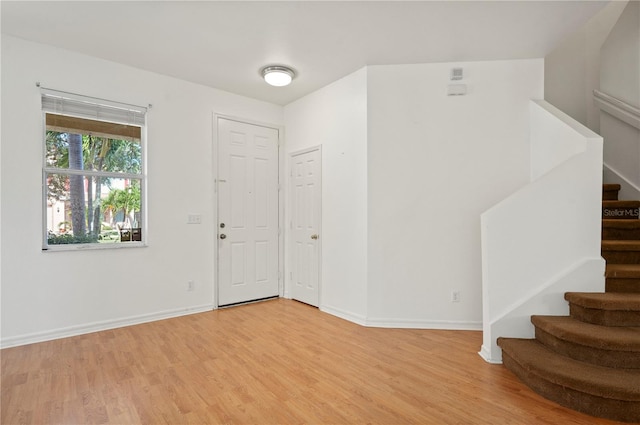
x=225, y=44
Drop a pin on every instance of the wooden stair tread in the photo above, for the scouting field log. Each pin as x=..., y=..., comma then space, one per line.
x=590, y=361
x=610, y=191
x=620, y=204
x=620, y=224
x=605, y=300
x=611, y=186
x=621, y=229
x=602, y=337
x=606, y=382
x=620, y=210
x=621, y=245
x=623, y=270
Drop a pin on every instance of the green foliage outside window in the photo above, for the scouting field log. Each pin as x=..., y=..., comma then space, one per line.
x=91, y=202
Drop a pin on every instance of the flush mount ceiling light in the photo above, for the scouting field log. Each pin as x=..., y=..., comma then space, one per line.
x=278, y=76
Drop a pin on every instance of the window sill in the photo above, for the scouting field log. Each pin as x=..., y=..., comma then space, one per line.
x=93, y=246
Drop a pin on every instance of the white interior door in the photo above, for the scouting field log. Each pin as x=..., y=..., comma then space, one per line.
x=306, y=198
x=247, y=212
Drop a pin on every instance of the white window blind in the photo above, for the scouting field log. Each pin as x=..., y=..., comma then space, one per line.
x=62, y=103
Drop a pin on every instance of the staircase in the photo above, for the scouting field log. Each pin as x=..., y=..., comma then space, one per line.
x=589, y=361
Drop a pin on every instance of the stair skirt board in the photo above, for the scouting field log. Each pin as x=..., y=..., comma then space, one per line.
x=618, y=410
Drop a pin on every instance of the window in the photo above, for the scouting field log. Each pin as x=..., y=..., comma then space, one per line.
x=93, y=172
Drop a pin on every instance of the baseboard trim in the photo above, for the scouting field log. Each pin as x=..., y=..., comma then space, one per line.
x=425, y=324
x=402, y=323
x=100, y=326
x=486, y=356
x=343, y=314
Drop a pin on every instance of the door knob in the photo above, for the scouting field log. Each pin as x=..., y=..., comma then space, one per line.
x=314, y=237
x=223, y=236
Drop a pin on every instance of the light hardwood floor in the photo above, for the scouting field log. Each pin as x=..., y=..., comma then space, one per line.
x=278, y=361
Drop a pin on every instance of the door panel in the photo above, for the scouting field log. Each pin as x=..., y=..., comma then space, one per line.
x=237, y=191
x=248, y=209
x=305, y=226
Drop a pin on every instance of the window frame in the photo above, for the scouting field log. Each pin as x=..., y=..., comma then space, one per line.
x=47, y=171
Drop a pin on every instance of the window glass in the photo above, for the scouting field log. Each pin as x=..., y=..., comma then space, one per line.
x=93, y=179
x=107, y=213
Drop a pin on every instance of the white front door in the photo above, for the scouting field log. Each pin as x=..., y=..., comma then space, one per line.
x=305, y=225
x=247, y=212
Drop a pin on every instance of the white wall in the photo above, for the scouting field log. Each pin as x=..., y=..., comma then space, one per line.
x=335, y=117
x=435, y=163
x=1, y=79
x=620, y=78
x=572, y=70
x=544, y=240
x=407, y=171
x=49, y=294
x=620, y=64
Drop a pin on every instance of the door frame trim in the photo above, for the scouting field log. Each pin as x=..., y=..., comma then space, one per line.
x=289, y=209
x=214, y=176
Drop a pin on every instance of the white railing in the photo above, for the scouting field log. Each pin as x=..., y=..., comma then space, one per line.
x=544, y=239
x=618, y=108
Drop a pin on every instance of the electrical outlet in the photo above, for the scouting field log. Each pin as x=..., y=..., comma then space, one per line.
x=455, y=296
x=191, y=285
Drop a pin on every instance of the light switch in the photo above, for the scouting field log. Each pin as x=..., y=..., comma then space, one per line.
x=194, y=218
